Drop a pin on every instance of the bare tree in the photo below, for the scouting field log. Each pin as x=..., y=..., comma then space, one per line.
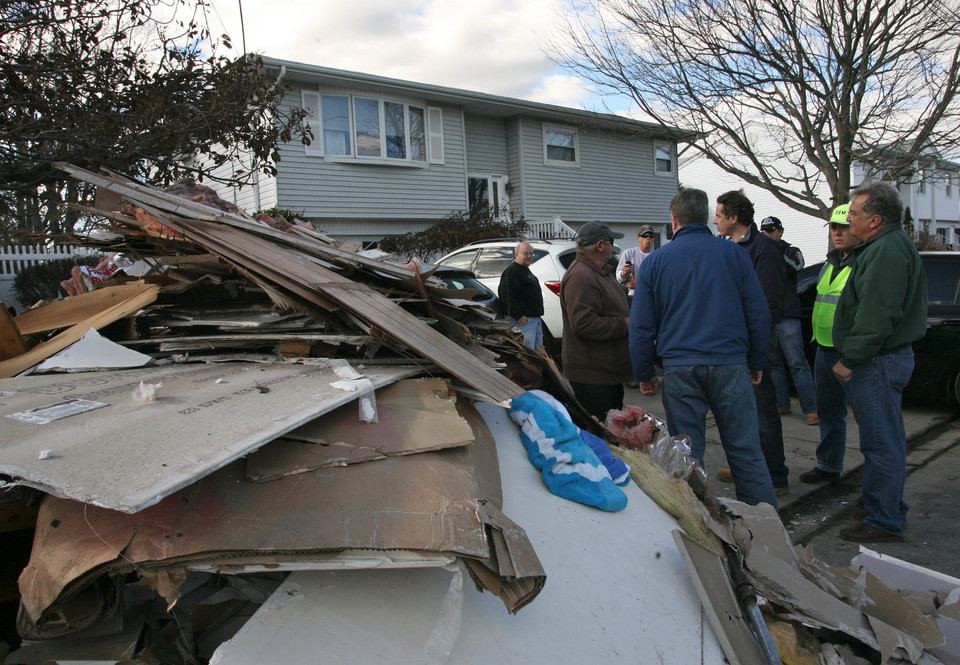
x=830, y=82
x=136, y=86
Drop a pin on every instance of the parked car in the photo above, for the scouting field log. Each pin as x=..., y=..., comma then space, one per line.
x=460, y=279
x=936, y=374
x=551, y=258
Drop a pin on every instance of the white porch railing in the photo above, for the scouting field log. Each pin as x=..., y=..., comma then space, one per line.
x=13, y=259
x=555, y=228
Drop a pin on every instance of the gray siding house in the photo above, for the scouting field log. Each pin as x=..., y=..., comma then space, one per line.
x=392, y=156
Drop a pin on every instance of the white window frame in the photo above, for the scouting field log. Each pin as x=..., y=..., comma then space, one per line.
x=673, y=159
x=496, y=191
x=561, y=129
x=311, y=101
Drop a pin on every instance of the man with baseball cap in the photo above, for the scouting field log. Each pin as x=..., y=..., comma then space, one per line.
x=629, y=266
x=787, y=341
x=596, y=320
x=831, y=399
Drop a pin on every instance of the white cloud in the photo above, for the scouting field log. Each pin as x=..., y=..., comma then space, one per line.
x=495, y=46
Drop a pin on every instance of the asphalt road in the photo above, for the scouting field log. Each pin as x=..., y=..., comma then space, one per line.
x=813, y=514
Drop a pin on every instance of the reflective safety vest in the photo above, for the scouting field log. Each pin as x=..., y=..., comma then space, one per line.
x=825, y=307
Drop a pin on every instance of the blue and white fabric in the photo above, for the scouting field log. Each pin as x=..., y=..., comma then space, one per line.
x=567, y=457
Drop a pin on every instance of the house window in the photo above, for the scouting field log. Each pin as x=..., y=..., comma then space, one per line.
x=560, y=145
x=373, y=129
x=336, y=125
x=663, y=159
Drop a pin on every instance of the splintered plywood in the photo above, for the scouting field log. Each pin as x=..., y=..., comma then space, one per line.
x=415, y=415
x=143, y=297
x=127, y=455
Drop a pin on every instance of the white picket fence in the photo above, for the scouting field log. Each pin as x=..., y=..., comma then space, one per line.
x=15, y=258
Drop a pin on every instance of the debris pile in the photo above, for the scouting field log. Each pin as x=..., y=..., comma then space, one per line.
x=262, y=422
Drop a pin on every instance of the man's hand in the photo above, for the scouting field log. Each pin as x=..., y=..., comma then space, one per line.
x=842, y=372
x=649, y=388
x=522, y=321
x=631, y=283
x=756, y=376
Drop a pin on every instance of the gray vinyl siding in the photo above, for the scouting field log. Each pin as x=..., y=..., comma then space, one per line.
x=614, y=181
x=245, y=196
x=486, y=145
x=341, y=190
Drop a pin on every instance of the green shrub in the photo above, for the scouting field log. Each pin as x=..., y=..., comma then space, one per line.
x=41, y=281
x=455, y=230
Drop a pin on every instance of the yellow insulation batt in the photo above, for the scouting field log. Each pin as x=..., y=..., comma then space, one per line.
x=673, y=495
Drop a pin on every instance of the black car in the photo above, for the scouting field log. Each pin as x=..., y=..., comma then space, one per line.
x=936, y=374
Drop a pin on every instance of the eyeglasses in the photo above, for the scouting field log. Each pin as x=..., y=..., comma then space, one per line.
x=834, y=226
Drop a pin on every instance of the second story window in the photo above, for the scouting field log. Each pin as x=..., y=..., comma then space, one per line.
x=663, y=158
x=560, y=145
x=370, y=128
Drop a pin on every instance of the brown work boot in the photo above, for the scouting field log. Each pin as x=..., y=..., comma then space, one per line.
x=783, y=410
x=725, y=475
x=813, y=419
x=864, y=533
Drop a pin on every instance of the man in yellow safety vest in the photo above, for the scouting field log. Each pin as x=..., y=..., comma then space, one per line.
x=831, y=398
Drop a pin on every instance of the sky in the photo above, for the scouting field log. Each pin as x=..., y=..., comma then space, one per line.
x=495, y=46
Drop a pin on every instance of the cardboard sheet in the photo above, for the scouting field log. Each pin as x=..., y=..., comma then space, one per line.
x=850, y=601
x=618, y=593
x=129, y=455
x=414, y=415
x=424, y=503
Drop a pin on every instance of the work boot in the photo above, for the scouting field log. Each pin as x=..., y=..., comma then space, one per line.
x=818, y=475
x=813, y=419
x=864, y=533
x=725, y=475
x=783, y=410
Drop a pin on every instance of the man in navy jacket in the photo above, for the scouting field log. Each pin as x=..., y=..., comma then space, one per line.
x=734, y=220
x=699, y=306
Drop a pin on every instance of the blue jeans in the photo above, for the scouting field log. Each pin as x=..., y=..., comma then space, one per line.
x=770, y=430
x=532, y=331
x=875, y=392
x=689, y=390
x=787, y=343
x=832, y=409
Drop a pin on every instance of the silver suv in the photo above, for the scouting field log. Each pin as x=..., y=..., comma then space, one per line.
x=551, y=258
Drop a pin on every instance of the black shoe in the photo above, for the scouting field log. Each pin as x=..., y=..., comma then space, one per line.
x=864, y=533
x=818, y=475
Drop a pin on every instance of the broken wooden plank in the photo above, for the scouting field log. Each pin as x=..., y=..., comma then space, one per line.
x=73, y=310
x=42, y=351
x=11, y=341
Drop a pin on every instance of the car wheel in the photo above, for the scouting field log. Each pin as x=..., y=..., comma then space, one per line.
x=955, y=401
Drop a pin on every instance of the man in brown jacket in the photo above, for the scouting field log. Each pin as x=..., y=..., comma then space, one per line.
x=596, y=318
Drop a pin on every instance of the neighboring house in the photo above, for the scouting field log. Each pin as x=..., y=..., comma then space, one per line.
x=932, y=194
x=391, y=156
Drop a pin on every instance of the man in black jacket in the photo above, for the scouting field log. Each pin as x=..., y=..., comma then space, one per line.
x=787, y=341
x=521, y=299
x=734, y=220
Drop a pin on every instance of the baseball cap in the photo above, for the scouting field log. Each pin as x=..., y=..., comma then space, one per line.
x=593, y=232
x=646, y=231
x=839, y=215
x=770, y=223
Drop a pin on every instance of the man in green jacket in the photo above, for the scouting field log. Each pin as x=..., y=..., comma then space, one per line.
x=882, y=311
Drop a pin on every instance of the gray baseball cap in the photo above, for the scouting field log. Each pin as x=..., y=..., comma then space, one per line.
x=593, y=232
